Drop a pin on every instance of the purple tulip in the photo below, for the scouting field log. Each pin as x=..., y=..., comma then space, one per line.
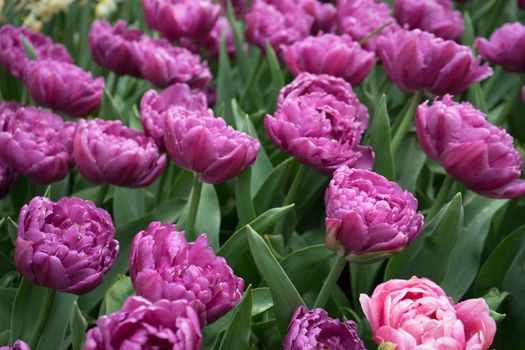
x=360, y=18
x=141, y=324
x=67, y=245
x=116, y=48
x=153, y=105
x=175, y=19
x=18, y=345
x=35, y=143
x=368, y=217
x=434, y=16
x=212, y=42
x=416, y=60
x=63, y=86
x=476, y=153
x=506, y=47
x=330, y=54
x=13, y=56
x=320, y=121
x=7, y=179
x=207, y=145
x=324, y=15
x=163, y=265
x=311, y=330
x=106, y=151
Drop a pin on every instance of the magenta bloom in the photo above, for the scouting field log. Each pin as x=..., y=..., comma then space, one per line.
x=7, y=179
x=212, y=42
x=324, y=15
x=153, y=105
x=116, y=48
x=18, y=345
x=368, y=217
x=108, y=152
x=35, y=143
x=320, y=121
x=416, y=60
x=141, y=324
x=207, y=145
x=434, y=16
x=163, y=265
x=311, y=330
x=175, y=19
x=506, y=47
x=13, y=57
x=417, y=314
x=67, y=245
x=330, y=54
x=63, y=86
x=476, y=153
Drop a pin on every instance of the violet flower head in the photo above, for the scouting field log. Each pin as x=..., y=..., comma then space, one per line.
x=314, y=329
x=17, y=345
x=7, y=179
x=66, y=245
x=35, y=143
x=13, y=56
x=116, y=48
x=416, y=60
x=506, y=47
x=368, y=217
x=324, y=15
x=175, y=19
x=320, y=121
x=212, y=42
x=475, y=152
x=154, y=104
x=207, y=145
x=106, y=151
x=330, y=54
x=433, y=16
x=163, y=265
x=63, y=86
x=141, y=324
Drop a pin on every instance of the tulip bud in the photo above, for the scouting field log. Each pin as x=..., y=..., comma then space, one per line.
x=506, y=47
x=67, y=245
x=17, y=345
x=141, y=324
x=368, y=217
x=163, y=265
x=476, y=153
x=108, y=152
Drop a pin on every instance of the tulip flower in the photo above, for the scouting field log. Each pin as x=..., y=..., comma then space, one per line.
x=311, y=330
x=434, y=16
x=506, y=47
x=330, y=54
x=474, y=152
x=108, y=152
x=368, y=217
x=13, y=56
x=320, y=121
x=163, y=265
x=417, y=314
x=66, y=245
x=7, y=179
x=212, y=42
x=17, y=345
x=35, y=143
x=324, y=15
x=153, y=105
x=63, y=86
x=141, y=324
x=416, y=60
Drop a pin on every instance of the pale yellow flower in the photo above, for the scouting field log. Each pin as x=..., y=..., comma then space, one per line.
x=1, y=5
x=104, y=8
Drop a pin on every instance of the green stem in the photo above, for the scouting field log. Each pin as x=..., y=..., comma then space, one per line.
x=42, y=318
x=194, y=208
x=374, y=33
x=441, y=197
x=101, y=195
x=509, y=101
x=329, y=283
x=406, y=121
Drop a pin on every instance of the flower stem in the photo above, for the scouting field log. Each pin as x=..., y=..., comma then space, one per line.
x=101, y=195
x=441, y=197
x=42, y=318
x=194, y=208
x=405, y=122
x=329, y=283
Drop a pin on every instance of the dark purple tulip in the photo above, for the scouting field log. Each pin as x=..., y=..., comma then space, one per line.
x=416, y=60
x=320, y=121
x=476, y=153
x=18, y=345
x=521, y=4
x=312, y=330
x=116, y=48
x=108, y=152
x=212, y=42
x=67, y=245
x=163, y=265
x=324, y=15
x=207, y=145
x=35, y=143
x=13, y=57
x=154, y=104
x=7, y=179
x=63, y=86
x=506, y=47
x=141, y=324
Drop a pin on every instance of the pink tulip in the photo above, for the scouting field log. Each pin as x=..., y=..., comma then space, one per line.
x=506, y=47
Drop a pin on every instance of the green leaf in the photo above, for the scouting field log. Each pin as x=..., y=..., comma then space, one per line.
x=28, y=48
x=275, y=72
x=57, y=322
x=469, y=34
x=272, y=186
x=380, y=141
x=225, y=84
x=78, y=326
x=237, y=335
x=240, y=53
x=28, y=302
x=477, y=97
x=262, y=300
x=12, y=229
x=363, y=278
x=128, y=205
x=285, y=297
x=117, y=295
x=243, y=200
x=7, y=299
x=409, y=163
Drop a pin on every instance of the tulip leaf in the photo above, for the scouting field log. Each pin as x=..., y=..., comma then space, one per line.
x=240, y=52
x=469, y=34
x=117, y=295
x=477, y=97
x=225, y=83
x=272, y=186
x=237, y=335
x=12, y=229
x=243, y=201
x=57, y=322
x=28, y=302
x=363, y=278
x=409, y=163
x=380, y=141
x=78, y=326
x=275, y=72
x=7, y=299
x=128, y=205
